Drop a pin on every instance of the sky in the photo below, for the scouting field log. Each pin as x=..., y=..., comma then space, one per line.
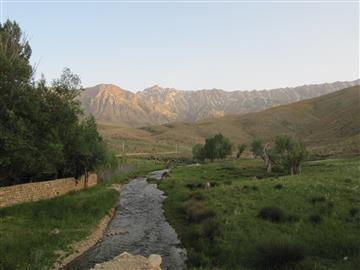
x=192, y=45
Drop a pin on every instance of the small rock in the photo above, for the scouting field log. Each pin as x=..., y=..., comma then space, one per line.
x=154, y=261
x=207, y=185
x=55, y=231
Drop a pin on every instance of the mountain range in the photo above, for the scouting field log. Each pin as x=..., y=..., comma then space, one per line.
x=329, y=125
x=157, y=105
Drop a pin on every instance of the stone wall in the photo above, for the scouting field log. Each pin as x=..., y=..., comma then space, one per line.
x=42, y=190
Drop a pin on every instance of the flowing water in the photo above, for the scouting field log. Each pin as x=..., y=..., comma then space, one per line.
x=139, y=227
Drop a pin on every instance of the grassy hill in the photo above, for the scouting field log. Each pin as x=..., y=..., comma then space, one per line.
x=329, y=124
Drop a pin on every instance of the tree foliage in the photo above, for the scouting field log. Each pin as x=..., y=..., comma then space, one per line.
x=43, y=132
x=290, y=153
x=286, y=152
x=241, y=149
x=215, y=147
x=198, y=152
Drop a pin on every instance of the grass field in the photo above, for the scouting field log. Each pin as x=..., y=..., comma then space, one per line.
x=27, y=238
x=248, y=220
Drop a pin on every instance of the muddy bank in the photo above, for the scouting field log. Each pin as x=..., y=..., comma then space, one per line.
x=138, y=227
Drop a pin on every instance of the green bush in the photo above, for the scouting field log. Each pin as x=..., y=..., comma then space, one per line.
x=277, y=254
x=315, y=219
x=196, y=211
x=317, y=199
x=273, y=214
x=197, y=196
x=353, y=211
x=210, y=228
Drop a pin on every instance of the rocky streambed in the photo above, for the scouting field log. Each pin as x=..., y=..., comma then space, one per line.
x=139, y=227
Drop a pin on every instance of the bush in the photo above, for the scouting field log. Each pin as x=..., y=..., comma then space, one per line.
x=214, y=184
x=227, y=182
x=317, y=199
x=196, y=211
x=197, y=196
x=327, y=209
x=315, y=219
x=277, y=254
x=210, y=228
x=353, y=211
x=191, y=186
x=293, y=218
x=273, y=214
x=278, y=186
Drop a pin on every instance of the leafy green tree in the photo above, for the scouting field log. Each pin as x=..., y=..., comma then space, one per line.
x=290, y=153
x=16, y=105
x=217, y=146
x=241, y=149
x=43, y=131
x=198, y=152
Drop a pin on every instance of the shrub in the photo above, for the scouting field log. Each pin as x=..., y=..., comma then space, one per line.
x=315, y=219
x=293, y=218
x=214, y=184
x=348, y=180
x=210, y=228
x=197, y=196
x=317, y=199
x=196, y=211
x=353, y=211
x=255, y=188
x=278, y=186
x=273, y=214
x=277, y=254
x=327, y=209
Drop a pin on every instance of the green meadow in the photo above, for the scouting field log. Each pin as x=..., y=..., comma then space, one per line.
x=250, y=220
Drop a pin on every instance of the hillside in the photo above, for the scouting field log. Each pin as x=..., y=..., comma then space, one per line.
x=156, y=105
x=329, y=124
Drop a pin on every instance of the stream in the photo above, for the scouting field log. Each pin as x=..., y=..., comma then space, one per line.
x=138, y=227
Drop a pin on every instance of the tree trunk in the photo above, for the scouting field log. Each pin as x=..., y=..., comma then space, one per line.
x=86, y=178
x=269, y=167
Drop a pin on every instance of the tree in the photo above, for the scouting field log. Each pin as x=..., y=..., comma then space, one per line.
x=43, y=131
x=217, y=146
x=264, y=152
x=290, y=153
x=16, y=105
x=241, y=149
x=198, y=152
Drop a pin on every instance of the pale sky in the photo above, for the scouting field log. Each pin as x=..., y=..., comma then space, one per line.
x=192, y=45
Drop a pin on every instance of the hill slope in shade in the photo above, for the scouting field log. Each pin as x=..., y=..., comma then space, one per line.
x=156, y=105
x=329, y=124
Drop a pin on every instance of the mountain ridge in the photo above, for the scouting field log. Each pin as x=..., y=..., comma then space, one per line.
x=329, y=125
x=158, y=105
